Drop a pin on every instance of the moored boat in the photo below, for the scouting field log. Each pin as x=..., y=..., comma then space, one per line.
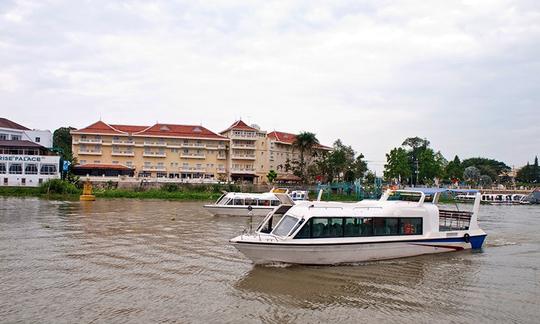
x=247, y=204
x=335, y=233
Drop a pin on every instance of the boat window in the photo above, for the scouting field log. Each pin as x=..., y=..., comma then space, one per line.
x=305, y=232
x=385, y=226
x=221, y=200
x=230, y=202
x=410, y=226
x=250, y=202
x=275, y=203
x=238, y=202
x=355, y=226
x=327, y=227
x=264, y=202
x=285, y=226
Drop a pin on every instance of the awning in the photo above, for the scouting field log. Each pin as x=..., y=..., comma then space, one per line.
x=288, y=177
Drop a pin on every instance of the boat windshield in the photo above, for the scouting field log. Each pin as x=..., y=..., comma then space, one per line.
x=285, y=225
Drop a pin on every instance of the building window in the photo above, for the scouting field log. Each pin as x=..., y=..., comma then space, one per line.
x=82, y=162
x=2, y=168
x=38, y=139
x=48, y=169
x=15, y=137
x=114, y=162
x=23, y=181
x=15, y=168
x=31, y=168
x=5, y=181
x=3, y=137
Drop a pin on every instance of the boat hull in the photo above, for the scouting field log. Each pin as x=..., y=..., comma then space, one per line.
x=238, y=210
x=335, y=253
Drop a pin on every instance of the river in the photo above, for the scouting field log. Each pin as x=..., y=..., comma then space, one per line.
x=162, y=261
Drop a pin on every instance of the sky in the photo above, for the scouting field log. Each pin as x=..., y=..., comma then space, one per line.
x=463, y=74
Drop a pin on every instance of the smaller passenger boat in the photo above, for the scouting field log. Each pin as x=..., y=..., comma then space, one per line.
x=247, y=204
x=334, y=232
x=298, y=195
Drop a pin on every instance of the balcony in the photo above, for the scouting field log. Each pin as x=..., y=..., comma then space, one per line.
x=123, y=142
x=193, y=145
x=247, y=137
x=243, y=170
x=192, y=169
x=153, y=168
x=155, y=144
x=89, y=141
x=90, y=152
x=221, y=170
x=192, y=156
x=221, y=157
x=243, y=146
x=243, y=156
x=123, y=153
x=154, y=154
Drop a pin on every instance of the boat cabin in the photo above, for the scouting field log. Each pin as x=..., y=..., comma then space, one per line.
x=246, y=199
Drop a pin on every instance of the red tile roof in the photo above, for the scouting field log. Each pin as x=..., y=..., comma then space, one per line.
x=22, y=144
x=98, y=127
x=170, y=130
x=288, y=138
x=240, y=125
x=165, y=130
x=129, y=128
x=103, y=166
x=6, y=123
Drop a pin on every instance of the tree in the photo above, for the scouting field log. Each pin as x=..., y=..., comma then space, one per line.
x=485, y=181
x=454, y=169
x=304, y=142
x=536, y=170
x=397, y=165
x=271, y=176
x=471, y=175
x=430, y=165
x=490, y=167
x=62, y=142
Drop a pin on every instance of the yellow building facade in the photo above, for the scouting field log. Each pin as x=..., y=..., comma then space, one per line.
x=239, y=153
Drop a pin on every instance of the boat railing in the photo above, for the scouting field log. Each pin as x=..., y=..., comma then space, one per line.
x=454, y=220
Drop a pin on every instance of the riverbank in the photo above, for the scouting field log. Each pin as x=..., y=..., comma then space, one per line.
x=112, y=193
x=183, y=195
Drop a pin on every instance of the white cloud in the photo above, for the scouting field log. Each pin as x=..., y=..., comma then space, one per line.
x=463, y=74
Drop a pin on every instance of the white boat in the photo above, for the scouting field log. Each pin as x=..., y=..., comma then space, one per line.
x=247, y=204
x=336, y=233
x=297, y=195
x=503, y=199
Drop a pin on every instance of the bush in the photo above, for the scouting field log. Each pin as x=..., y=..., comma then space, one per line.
x=58, y=186
x=170, y=187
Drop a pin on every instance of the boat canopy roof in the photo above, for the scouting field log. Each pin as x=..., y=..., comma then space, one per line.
x=432, y=191
x=244, y=195
x=367, y=208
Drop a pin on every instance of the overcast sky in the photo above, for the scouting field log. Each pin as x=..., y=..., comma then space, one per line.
x=464, y=74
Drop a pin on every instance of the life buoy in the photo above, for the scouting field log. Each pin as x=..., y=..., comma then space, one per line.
x=467, y=237
x=250, y=208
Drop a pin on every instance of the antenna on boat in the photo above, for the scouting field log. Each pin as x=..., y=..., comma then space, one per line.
x=319, y=196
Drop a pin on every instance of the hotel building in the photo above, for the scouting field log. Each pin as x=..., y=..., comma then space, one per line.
x=239, y=153
x=158, y=151
x=24, y=162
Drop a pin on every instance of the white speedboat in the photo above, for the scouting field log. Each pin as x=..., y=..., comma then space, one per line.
x=247, y=204
x=335, y=232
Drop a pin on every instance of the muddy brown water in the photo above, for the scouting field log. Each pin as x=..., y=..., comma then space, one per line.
x=161, y=261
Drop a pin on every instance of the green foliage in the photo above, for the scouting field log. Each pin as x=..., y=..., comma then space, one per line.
x=59, y=186
x=529, y=173
x=471, y=174
x=490, y=167
x=485, y=181
x=271, y=176
x=454, y=169
x=341, y=163
x=304, y=142
x=62, y=142
x=397, y=165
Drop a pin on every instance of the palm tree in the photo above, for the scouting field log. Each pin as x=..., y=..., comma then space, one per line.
x=304, y=142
